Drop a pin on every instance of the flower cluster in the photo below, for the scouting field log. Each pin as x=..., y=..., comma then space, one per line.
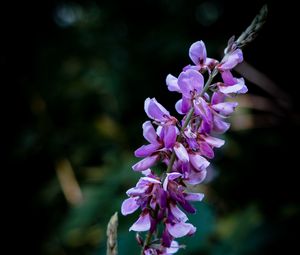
x=184, y=146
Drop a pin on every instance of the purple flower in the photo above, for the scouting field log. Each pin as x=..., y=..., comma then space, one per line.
x=184, y=146
x=189, y=84
x=231, y=60
x=140, y=194
x=157, y=112
x=160, y=141
x=174, y=247
x=231, y=84
x=198, y=54
x=214, y=113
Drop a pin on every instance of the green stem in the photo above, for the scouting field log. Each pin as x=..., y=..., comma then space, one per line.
x=147, y=242
x=208, y=82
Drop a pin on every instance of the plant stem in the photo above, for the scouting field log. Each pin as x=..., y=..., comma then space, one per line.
x=208, y=82
x=147, y=242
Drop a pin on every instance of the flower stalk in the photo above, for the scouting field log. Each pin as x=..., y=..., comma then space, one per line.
x=185, y=146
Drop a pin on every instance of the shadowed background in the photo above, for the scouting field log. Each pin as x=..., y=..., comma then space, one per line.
x=76, y=74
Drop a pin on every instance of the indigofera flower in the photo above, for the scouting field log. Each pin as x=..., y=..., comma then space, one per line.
x=183, y=146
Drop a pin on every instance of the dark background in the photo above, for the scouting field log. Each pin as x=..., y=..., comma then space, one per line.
x=74, y=78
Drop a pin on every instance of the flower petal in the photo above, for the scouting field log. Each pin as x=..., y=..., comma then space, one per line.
x=228, y=78
x=166, y=238
x=178, y=214
x=172, y=84
x=190, y=81
x=214, y=141
x=186, y=105
x=137, y=191
x=225, y=108
x=174, y=247
x=147, y=172
x=198, y=162
x=232, y=85
x=170, y=135
x=196, y=177
x=129, y=206
x=162, y=198
x=181, y=152
x=194, y=196
x=145, y=163
x=211, y=63
x=155, y=110
x=178, y=106
x=180, y=229
x=171, y=177
x=202, y=108
x=151, y=180
x=217, y=98
x=183, y=105
x=149, y=132
x=146, y=150
x=206, y=150
x=231, y=60
x=220, y=126
x=197, y=53
x=142, y=224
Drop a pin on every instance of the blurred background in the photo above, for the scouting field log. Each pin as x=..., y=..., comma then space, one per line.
x=75, y=76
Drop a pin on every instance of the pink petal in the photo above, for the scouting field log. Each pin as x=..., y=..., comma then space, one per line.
x=199, y=162
x=197, y=53
x=225, y=108
x=220, y=126
x=190, y=81
x=213, y=141
x=150, y=180
x=211, y=63
x=147, y=172
x=146, y=150
x=178, y=214
x=145, y=163
x=206, y=150
x=196, y=177
x=178, y=106
x=155, y=110
x=137, y=191
x=217, y=98
x=149, y=132
x=170, y=176
x=231, y=60
x=142, y=224
x=173, y=248
x=192, y=230
x=238, y=87
x=183, y=105
x=202, y=108
x=129, y=206
x=172, y=84
x=234, y=85
x=228, y=78
x=170, y=136
x=181, y=152
x=194, y=196
x=180, y=229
